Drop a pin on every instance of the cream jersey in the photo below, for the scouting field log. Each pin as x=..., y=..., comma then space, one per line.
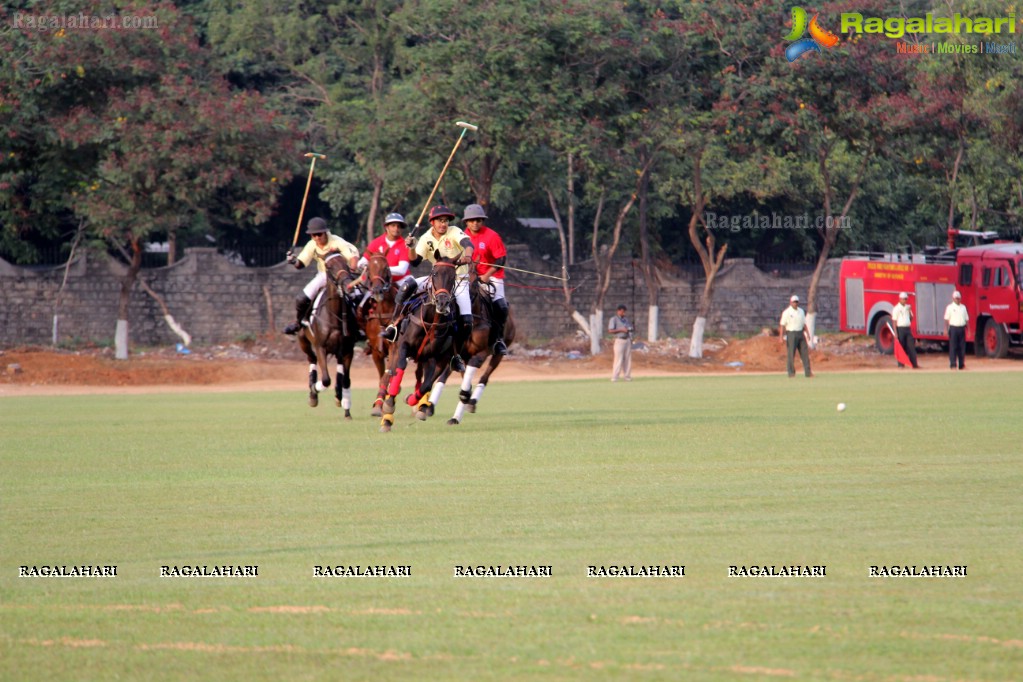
x=334, y=243
x=448, y=244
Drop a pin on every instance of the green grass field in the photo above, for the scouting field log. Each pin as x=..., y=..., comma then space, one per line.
x=705, y=472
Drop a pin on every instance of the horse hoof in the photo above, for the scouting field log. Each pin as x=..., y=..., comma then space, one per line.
x=348, y=416
x=376, y=411
x=471, y=408
x=314, y=400
x=428, y=409
x=385, y=428
x=421, y=415
x=453, y=422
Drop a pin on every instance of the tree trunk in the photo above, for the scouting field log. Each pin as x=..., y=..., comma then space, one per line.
x=650, y=277
x=571, y=209
x=121, y=336
x=710, y=257
x=172, y=247
x=186, y=338
x=830, y=230
x=59, y=299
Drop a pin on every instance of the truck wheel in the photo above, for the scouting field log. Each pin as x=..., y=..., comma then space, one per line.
x=883, y=337
x=996, y=340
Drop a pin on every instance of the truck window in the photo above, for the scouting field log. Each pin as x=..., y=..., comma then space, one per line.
x=985, y=280
x=966, y=274
x=1001, y=277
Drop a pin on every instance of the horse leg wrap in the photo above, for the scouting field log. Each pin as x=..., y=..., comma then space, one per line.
x=412, y=398
x=477, y=394
x=394, y=387
x=346, y=398
x=424, y=401
x=464, y=395
x=435, y=392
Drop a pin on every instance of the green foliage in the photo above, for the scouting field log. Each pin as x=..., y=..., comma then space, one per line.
x=619, y=86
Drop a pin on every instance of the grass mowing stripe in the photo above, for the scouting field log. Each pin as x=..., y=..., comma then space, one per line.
x=702, y=471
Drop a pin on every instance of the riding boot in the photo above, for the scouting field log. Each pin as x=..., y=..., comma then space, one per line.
x=303, y=305
x=500, y=313
x=405, y=291
x=462, y=334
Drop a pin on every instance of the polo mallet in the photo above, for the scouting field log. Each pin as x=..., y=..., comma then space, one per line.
x=465, y=127
x=308, y=184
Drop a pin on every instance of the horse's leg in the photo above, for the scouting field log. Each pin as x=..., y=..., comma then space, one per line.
x=398, y=364
x=438, y=385
x=477, y=392
x=343, y=389
x=378, y=360
x=321, y=362
x=306, y=346
x=424, y=408
x=463, y=394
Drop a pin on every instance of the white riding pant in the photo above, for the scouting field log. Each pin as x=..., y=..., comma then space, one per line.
x=315, y=285
x=497, y=284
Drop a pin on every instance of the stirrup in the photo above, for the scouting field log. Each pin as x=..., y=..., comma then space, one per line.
x=457, y=364
x=500, y=348
x=390, y=333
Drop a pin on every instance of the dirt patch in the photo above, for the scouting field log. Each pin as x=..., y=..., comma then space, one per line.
x=277, y=364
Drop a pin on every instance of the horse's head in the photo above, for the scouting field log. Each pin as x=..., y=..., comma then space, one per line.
x=378, y=274
x=337, y=268
x=442, y=283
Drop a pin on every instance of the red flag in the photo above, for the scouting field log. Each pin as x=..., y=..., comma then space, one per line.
x=900, y=352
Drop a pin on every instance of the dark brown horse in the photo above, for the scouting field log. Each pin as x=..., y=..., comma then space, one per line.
x=374, y=316
x=425, y=338
x=478, y=348
x=332, y=331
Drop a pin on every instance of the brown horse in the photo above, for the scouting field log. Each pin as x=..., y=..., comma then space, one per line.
x=425, y=338
x=376, y=315
x=332, y=331
x=478, y=348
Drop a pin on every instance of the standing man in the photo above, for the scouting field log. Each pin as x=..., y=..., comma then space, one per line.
x=902, y=315
x=449, y=242
x=792, y=330
x=391, y=244
x=489, y=250
x=956, y=319
x=622, y=330
x=321, y=243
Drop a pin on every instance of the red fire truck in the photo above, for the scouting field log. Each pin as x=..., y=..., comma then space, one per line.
x=988, y=276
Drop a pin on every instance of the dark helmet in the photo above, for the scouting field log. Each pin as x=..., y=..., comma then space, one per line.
x=441, y=212
x=316, y=226
x=395, y=218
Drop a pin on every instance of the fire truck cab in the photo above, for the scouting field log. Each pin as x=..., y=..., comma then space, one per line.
x=988, y=277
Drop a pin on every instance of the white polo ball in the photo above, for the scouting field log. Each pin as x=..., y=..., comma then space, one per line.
x=841, y=407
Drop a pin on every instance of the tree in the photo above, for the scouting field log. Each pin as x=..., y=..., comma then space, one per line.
x=165, y=145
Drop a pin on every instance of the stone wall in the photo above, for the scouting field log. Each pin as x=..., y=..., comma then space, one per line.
x=218, y=302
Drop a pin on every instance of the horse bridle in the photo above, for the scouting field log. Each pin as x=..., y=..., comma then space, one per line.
x=433, y=290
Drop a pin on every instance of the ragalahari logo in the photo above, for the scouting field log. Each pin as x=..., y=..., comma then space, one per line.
x=819, y=37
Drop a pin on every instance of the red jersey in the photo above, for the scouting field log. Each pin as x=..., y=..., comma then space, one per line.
x=487, y=248
x=396, y=253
